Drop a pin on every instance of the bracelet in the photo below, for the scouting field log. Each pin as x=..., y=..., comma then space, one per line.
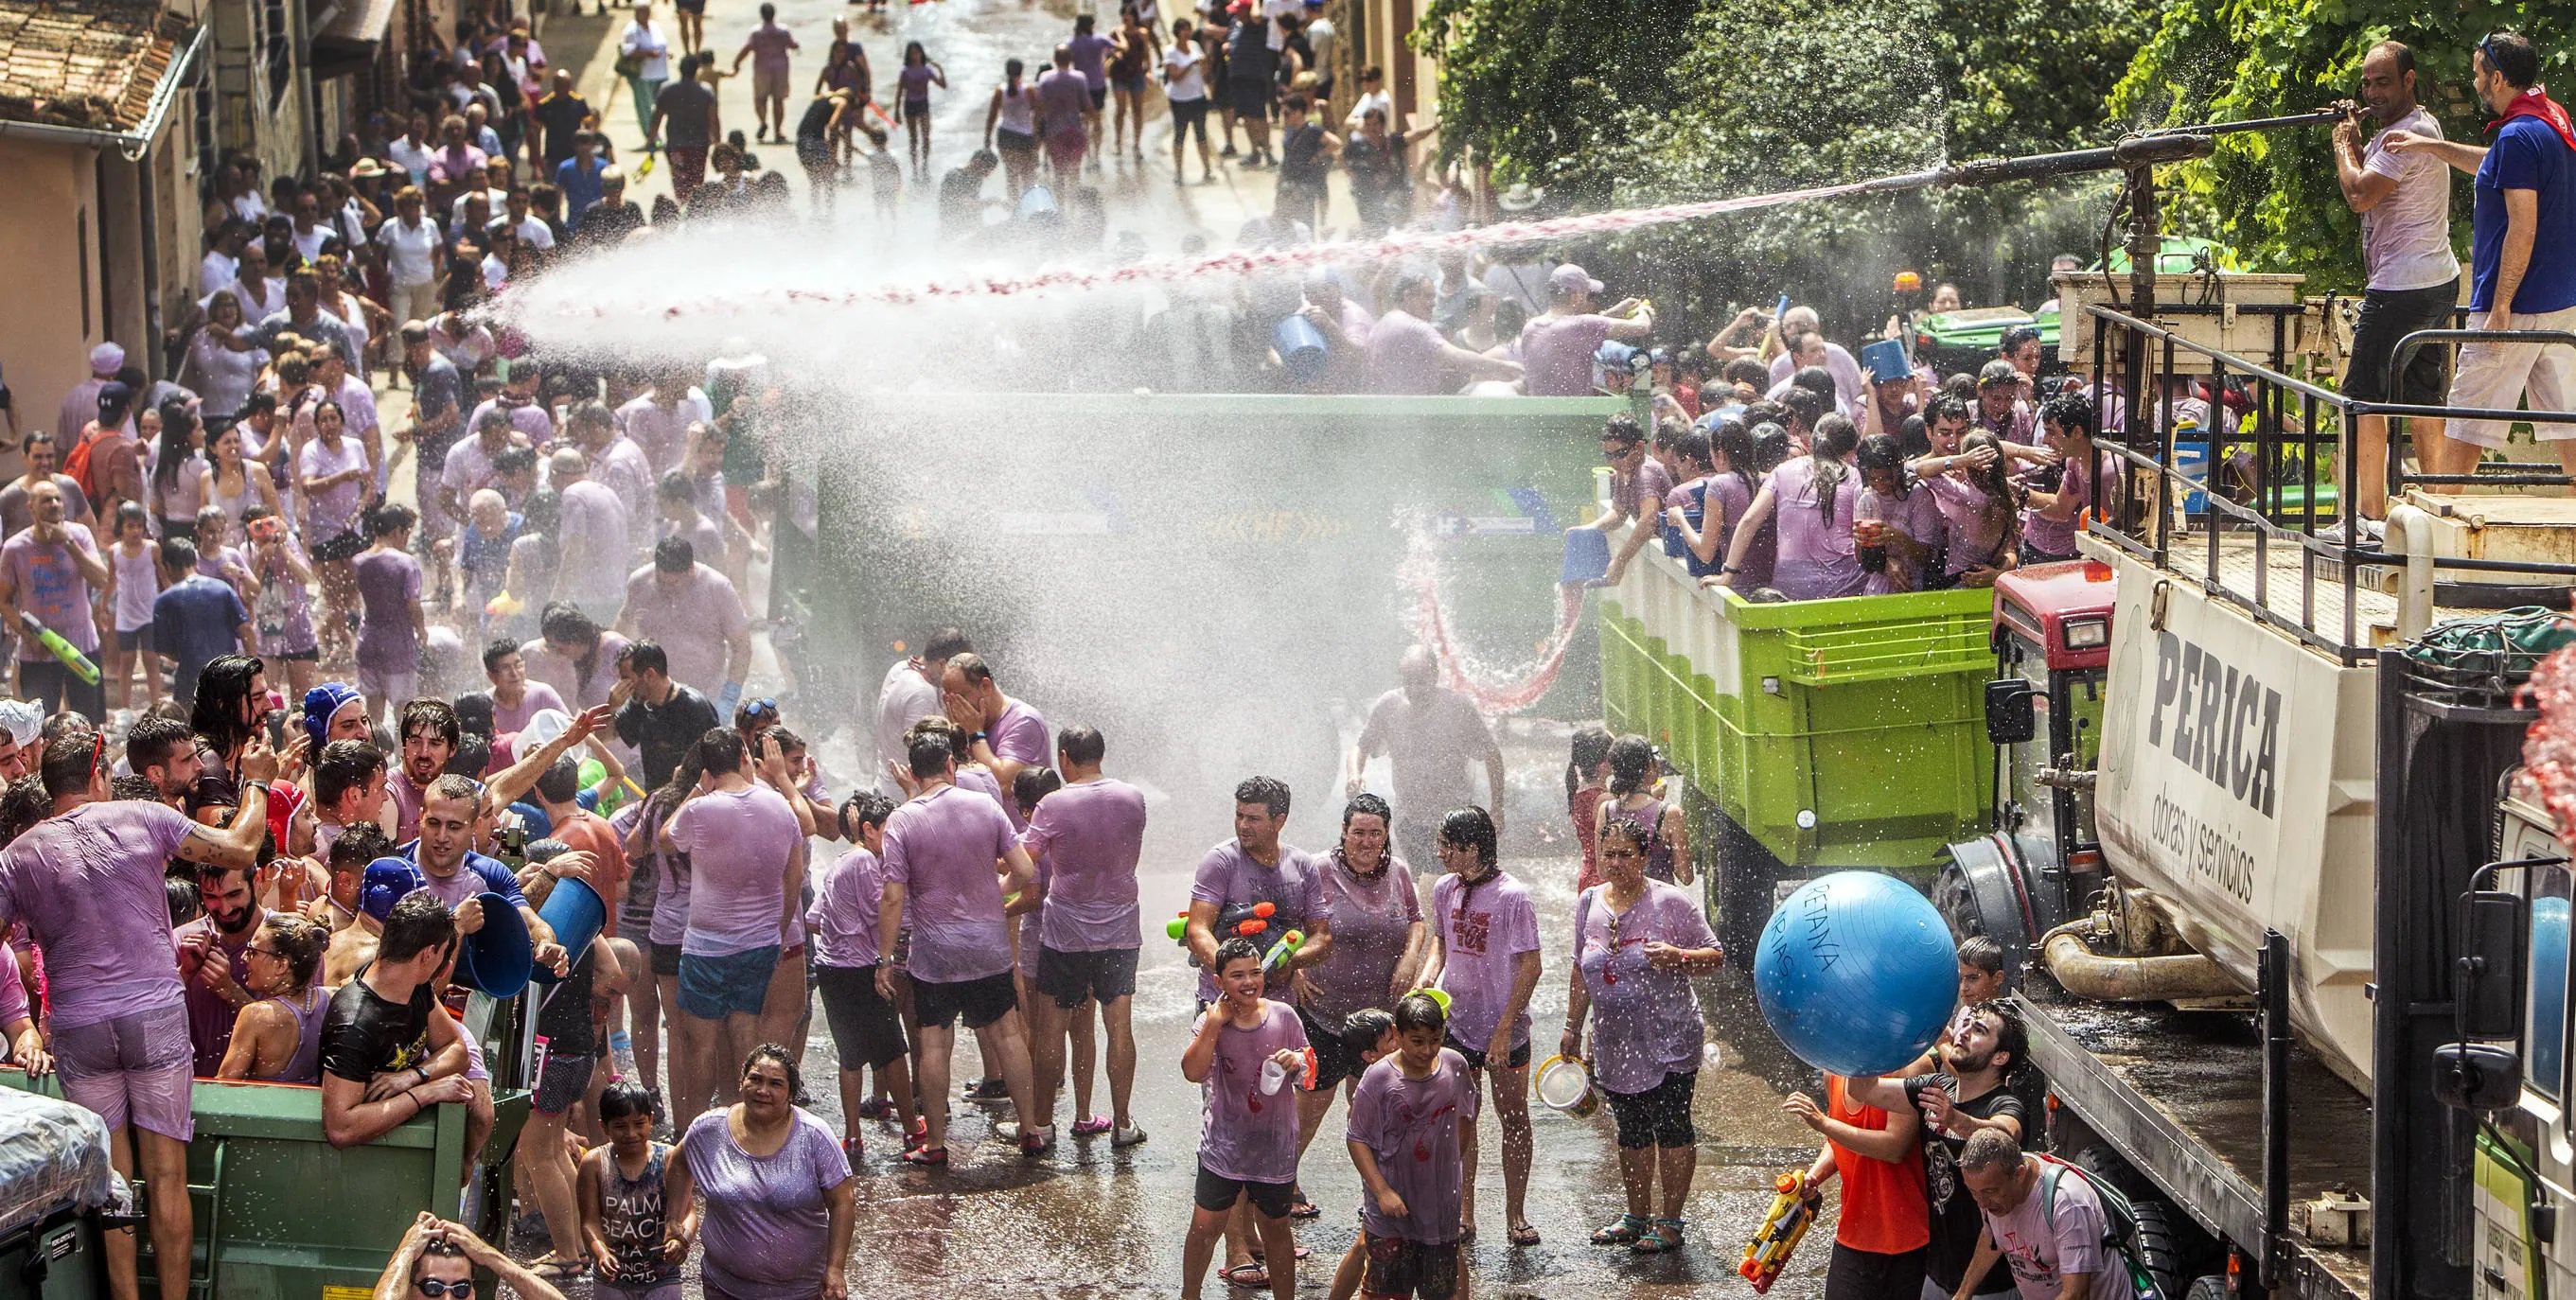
x=975, y=737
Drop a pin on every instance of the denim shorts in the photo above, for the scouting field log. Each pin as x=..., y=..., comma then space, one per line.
x=735, y=984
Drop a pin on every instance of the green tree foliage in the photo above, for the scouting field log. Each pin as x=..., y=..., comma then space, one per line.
x=2272, y=195
x=1655, y=101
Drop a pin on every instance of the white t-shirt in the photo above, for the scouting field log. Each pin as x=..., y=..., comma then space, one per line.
x=1377, y=99
x=411, y=251
x=2406, y=239
x=1184, y=63
x=216, y=272
x=647, y=41
x=412, y=156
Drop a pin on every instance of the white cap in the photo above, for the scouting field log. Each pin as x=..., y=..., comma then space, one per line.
x=23, y=721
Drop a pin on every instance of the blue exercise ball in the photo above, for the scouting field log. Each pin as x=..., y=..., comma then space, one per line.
x=1856, y=973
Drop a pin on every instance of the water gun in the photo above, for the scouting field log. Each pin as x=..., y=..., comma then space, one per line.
x=1277, y=959
x=54, y=643
x=504, y=605
x=1243, y=920
x=1792, y=1213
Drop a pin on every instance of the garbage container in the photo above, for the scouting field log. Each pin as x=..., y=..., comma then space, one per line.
x=55, y=1180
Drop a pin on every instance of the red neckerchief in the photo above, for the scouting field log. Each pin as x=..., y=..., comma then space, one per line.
x=2536, y=102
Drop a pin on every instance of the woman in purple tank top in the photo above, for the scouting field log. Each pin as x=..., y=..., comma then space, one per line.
x=278, y=1039
x=1631, y=798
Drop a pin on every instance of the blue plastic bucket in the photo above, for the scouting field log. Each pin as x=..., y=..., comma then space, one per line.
x=1587, y=556
x=576, y=912
x=497, y=958
x=1301, y=347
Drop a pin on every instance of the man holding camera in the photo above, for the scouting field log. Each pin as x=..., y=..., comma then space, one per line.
x=2404, y=198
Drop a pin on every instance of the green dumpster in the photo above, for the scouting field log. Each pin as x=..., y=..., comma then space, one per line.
x=1812, y=736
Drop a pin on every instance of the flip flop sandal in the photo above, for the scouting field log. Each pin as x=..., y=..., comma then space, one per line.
x=1623, y=1233
x=1301, y=1208
x=556, y=1269
x=1666, y=1235
x=1251, y=1277
x=1524, y=1235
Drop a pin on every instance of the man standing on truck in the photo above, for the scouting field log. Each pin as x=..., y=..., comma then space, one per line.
x=2044, y=1218
x=2404, y=199
x=1429, y=734
x=2522, y=256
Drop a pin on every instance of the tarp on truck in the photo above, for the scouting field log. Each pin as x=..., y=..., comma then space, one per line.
x=52, y=1153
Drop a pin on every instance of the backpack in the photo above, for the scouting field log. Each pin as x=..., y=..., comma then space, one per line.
x=76, y=465
x=2119, y=1216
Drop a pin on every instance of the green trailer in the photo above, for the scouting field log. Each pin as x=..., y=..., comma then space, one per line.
x=1809, y=736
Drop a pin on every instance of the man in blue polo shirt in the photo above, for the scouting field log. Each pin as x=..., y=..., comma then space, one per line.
x=2522, y=262
x=458, y=875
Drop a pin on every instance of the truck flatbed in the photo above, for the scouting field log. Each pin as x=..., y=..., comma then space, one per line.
x=2179, y=1095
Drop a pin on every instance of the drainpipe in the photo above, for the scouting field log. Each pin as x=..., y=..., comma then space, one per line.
x=147, y=179
x=2087, y=974
x=304, y=88
x=2410, y=533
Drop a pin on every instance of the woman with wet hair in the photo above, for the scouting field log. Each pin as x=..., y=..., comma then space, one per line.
x=1485, y=955
x=1815, y=499
x=278, y=1039
x=1634, y=772
x=1899, y=529
x=777, y=1215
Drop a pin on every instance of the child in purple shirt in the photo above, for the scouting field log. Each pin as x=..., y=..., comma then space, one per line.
x=1248, y=1054
x=1403, y=1134
x=865, y=1029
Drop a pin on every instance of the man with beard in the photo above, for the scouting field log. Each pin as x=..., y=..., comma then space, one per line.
x=22, y=726
x=349, y=790
x=164, y=752
x=1964, y=1095
x=214, y=960
x=430, y=733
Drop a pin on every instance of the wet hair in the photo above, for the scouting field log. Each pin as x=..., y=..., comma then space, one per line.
x=180, y=894
x=1815, y=379
x=786, y=1061
x=130, y=788
x=433, y=715
x=360, y=845
x=1419, y=1011
x=1030, y=784
x=2071, y=411
x=23, y=803
x=929, y=750
x=561, y=782
x=299, y=943
x=1365, y=804
x=1983, y=953
x=2013, y=339
x=627, y=1097
x=1632, y=765
x=419, y=922
x=1629, y=829
x=1803, y=407
x=1233, y=950
x=1734, y=440
x=177, y=422
x=1082, y=745
x=1832, y=440
x=1945, y=406
x=945, y=644
x=179, y=555
x=1622, y=427
x=1269, y=792
x=473, y=754
x=1987, y=1149
x=865, y=808
x=1692, y=448
x=563, y=621
x=1362, y=1028
x=1880, y=452
x=720, y=751
x=1746, y=370
x=498, y=649
x=155, y=741
x=971, y=666
x=69, y=762
x=1472, y=827
x=641, y=657
x=674, y=555
x=131, y=512
x=2012, y=1032
x=1591, y=748
x=2003, y=496
x=389, y=519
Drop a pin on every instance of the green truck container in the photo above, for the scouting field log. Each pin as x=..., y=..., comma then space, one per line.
x=281, y=1214
x=1809, y=736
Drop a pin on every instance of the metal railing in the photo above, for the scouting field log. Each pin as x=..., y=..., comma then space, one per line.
x=2136, y=363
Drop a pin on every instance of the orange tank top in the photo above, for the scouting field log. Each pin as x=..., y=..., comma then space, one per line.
x=1883, y=1208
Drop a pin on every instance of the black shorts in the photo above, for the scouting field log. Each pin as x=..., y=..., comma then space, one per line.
x=1217, y=1193
x=1249, y=98
x=308, y=655
x=2388, y=315
x=1099, y=96
x=816, y=153
x=565, y=1078
x=865, y=1028
x=342, y=547
x=1658, y=1117
x=1398, y=1267
x=977, y=1002
x=1073, y=978
x=1009, y=141
x=1188, y=113
x=666, y=959
x=1334, y=1060
x=1476, y=1055
x=1867, y=1275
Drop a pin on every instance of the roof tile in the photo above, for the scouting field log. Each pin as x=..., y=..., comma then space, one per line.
x=84, y=63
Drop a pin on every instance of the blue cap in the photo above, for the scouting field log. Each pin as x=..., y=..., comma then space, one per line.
x=319, y=704
x=1614, y=354
x=385, y=883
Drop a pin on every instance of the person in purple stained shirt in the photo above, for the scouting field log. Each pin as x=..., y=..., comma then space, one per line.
x=1246, y=1052
x=1557, y=345
x=2050, y=520
x=1091, y=834
x=1090, y=52
x=515, y=699
x=50, y=569
x=866, y=1032
x=1815, y=498
x=696, y=616
x=87, y=884
x=767, y=47
x=1636, y=943
x=747, y=863
x=1377, y=948
x=1900, y=522
x=1485, y=955
x=1638, y=483
x=941, y=850
x=1003, y=733
x=776, y=1220
x=1408, y=1119
x=392, y=629
x=1408, y=354
x=214, y=961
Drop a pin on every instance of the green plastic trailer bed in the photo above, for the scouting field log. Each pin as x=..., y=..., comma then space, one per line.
x=1812, y=736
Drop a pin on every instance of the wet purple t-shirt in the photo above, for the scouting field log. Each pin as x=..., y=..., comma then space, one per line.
x=1411, y=1127
x=671, y=880
x=87, y=885
x=388, y=582
x=1091, y=833
x=48, y=583
x=738, y=842
x=1728, y=492
x=1818, y=560
x=941, y=848
x=1481, y=931
x=766, y=1220
x=1372, y=921
x=1020, y=736
x=1645, y=1022
x=844, y=914
x=1917, y=515
x=692, y=619
x=1244, y=1133
x=1972, y=539
x=1228, y=877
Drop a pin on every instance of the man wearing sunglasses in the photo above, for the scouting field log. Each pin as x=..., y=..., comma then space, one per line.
x=437, y=1259
x=1638, y=483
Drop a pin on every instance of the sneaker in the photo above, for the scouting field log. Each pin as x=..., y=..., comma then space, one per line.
x=917, y=1135
x=1092, y=1127
x=1128, y=1135
x=876, y=1108
x=1032, y=1142
x=853, y=1148
x=988, y=1090
x=2371, y=531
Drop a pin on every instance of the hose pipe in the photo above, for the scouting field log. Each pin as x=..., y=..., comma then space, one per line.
x=2087, y=974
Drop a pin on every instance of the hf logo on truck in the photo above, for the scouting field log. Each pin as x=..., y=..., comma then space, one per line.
x=2216, y=720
